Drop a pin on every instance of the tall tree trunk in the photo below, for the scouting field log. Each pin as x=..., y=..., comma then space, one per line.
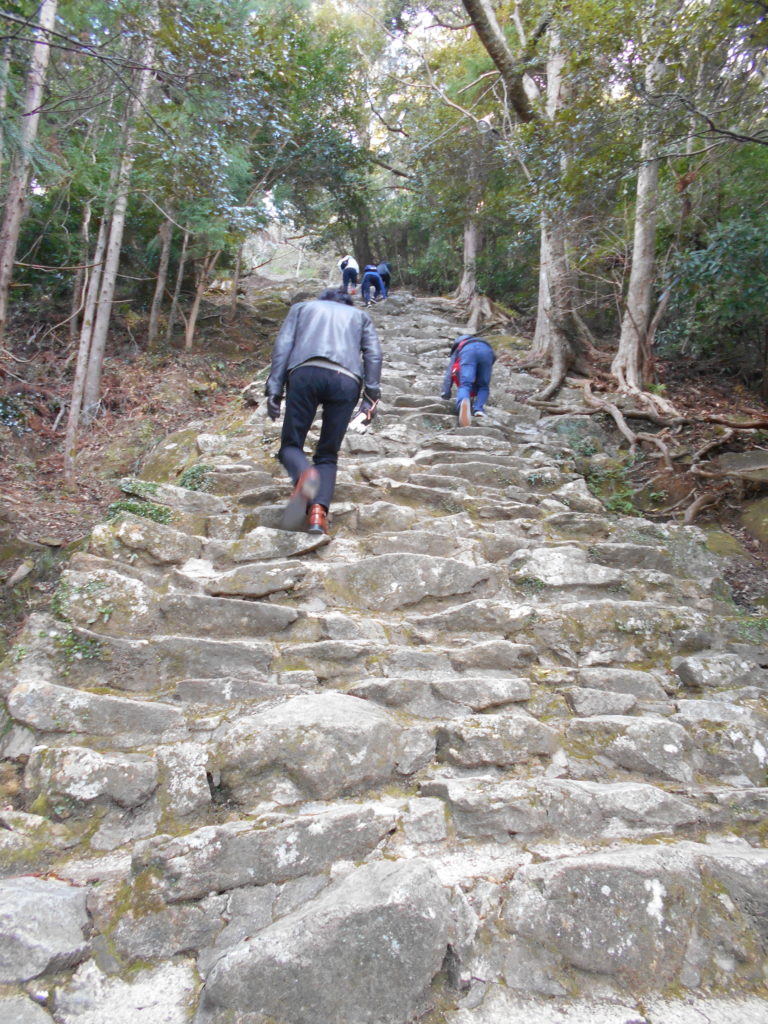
x=77, y=285
x=5, y=70
x=555, y=336
x=360, y=232
x=555, y=340
x=165, y=234
x=92, y=394
x=78, y=384
x=232, y=311
x=18, y=181
x=204, y=271
x=472, y=240
x=177, y=288
x=633, y=363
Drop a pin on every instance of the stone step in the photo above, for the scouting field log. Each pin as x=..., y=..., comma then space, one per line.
x=504, y=746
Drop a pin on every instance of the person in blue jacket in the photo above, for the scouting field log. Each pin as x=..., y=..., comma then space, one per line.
x=372, y=279
x=385, y=273
x=469, y=368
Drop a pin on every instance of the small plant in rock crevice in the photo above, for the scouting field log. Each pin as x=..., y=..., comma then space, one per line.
x=195, y=478
x=613, y=488
x=141, y=488
x=77, y=648
x=145, y=509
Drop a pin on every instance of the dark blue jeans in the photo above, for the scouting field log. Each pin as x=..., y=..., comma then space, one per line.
x=308, y=388
x=348, y=277
x=475, y=365
x=372, y=280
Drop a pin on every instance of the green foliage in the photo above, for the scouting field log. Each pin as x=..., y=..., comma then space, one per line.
x=143, y=488
x=719, y=296
x=60, y=601
x=613, y=488
x=77, y=648
x=145, y=509
x=195, y=478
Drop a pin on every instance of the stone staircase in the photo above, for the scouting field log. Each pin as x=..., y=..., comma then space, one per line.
x=493, y=755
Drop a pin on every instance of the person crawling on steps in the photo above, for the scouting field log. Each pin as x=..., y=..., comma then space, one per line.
x=469, y=368
x=326, y=353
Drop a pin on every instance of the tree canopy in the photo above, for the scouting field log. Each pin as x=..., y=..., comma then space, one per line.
x=482, y=147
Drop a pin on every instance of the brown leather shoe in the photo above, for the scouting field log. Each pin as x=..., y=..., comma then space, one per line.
x=318, y=520
x=294, y=515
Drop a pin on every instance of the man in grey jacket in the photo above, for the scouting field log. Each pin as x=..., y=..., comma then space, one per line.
x=326, y=350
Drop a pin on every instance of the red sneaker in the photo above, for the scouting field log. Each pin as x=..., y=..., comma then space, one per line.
x=465, y=413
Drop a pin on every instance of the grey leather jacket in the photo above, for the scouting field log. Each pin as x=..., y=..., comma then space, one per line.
x=325, y=329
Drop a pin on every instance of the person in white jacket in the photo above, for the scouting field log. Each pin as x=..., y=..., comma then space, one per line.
x=349, y=268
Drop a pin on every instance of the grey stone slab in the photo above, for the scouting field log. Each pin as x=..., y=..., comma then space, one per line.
x=644, y=685
x=21, y=1010
x=74, y=778
x=57, y=709
x=137, y=537
x=586, y=701
x=257, y=580
x=263, y=543
x=366, y=950
x=561, y=807
x=164, y=993
x=585, y=910
x=222, y=617
x=42, y=927
x=398, y=580
x=314, y=746
x=217, y=858
x=484, y=615
x=715, y=669
x=230, y=689
x=654, y=746
x=195, y=502
x=502, y=740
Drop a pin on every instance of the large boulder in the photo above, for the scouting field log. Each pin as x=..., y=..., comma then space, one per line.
x=315, y=746
x=364, y=952
x=42, y=927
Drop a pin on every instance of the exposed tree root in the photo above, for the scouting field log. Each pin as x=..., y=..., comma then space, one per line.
x=695, y=468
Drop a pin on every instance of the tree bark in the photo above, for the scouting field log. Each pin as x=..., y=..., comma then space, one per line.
x=177, y=288
x=5, y=70
x=555, y=337
x=92, y=393
x=78, y=383
x=18, y=181
x=204, y=271
x=467, y=289
x=483, y=18
x=79, y=280
x=633, y=363
x=232, y=311
x=165, y=234
x=554, y=340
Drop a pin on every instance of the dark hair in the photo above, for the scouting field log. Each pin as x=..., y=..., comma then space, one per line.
x=337, y=295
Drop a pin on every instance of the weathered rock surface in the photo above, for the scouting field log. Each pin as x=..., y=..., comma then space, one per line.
x=493, y=754
x=366, y=950
x=42, y=927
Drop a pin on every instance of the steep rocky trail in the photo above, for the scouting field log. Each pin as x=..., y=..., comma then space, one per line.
x=493, y=754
